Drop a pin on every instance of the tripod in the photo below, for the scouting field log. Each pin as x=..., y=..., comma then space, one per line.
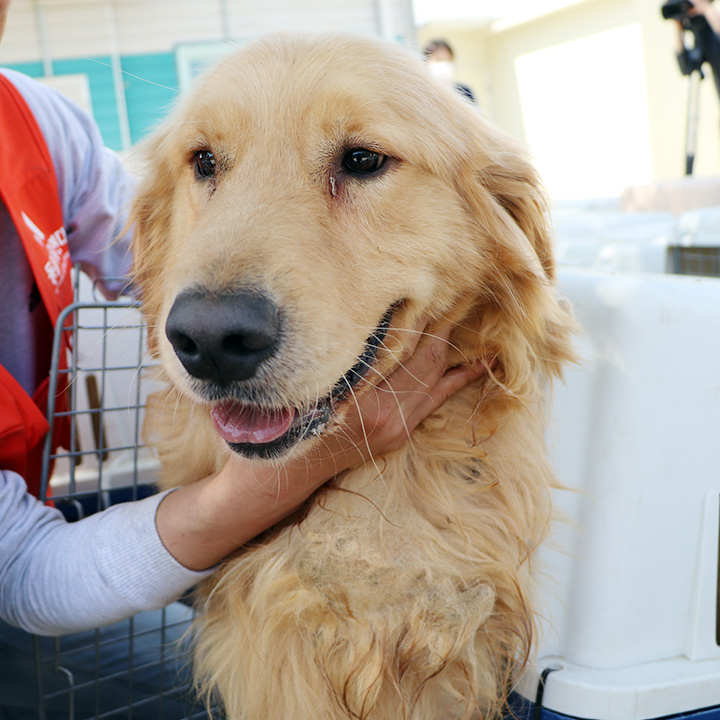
x=695, y=74
x=693, y=116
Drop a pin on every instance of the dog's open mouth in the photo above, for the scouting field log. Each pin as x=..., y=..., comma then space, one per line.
x=255, y=431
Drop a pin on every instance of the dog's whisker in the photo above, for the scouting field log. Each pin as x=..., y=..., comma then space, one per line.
x=131, y=75
x=365, y=434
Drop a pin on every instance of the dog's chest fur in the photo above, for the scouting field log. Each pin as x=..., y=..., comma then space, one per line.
x=390, y=578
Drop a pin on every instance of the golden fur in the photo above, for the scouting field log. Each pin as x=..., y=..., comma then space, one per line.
x=401, y=591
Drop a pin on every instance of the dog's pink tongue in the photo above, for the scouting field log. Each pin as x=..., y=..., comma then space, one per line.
x=238, y=423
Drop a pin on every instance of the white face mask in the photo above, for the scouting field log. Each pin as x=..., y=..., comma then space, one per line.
x=443, y=70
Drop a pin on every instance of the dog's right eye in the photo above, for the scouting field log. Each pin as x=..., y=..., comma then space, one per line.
x=204, y=164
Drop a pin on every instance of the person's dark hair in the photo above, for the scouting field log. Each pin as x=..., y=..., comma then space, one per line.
x=434, y=45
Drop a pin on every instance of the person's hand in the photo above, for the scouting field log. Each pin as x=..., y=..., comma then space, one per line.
x=382, y=418
x=203, y=522
x=680, y=38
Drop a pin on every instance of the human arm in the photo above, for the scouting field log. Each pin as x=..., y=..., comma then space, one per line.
x=203, y=522
x=58, y=577
x=711, y=13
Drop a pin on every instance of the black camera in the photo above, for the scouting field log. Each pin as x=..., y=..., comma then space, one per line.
x=676, y=9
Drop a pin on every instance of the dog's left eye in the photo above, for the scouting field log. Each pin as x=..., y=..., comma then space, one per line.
x=204, y=164
x=361, y=161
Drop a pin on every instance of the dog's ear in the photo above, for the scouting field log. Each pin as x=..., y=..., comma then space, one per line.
x=516, y=319
x=150, y=214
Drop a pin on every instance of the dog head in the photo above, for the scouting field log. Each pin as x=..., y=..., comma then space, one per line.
x=312, y=197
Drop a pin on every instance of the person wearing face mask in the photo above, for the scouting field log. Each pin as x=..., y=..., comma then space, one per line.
x=441, y=62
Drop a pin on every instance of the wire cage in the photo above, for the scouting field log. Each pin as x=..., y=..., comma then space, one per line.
x=137, y=669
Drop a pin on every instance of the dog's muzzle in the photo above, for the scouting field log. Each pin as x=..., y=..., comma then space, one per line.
x=222, y=340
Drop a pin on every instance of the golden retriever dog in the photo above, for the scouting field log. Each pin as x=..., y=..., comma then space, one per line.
x=307, y=204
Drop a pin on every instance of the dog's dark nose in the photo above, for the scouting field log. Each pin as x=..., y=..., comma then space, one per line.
x=222, y=337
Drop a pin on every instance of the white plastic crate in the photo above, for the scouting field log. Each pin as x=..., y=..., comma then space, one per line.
x=630, y=587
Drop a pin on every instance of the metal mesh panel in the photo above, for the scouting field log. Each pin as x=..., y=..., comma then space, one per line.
x=137, y=669
x=133, y=669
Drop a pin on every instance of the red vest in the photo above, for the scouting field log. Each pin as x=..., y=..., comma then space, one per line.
x=28, y=188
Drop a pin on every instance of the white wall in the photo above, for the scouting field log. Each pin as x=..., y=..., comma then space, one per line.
x=593, y=87
x=588, y=133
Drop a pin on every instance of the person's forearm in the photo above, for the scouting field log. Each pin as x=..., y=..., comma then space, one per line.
x=58, y=577
x=202, y=523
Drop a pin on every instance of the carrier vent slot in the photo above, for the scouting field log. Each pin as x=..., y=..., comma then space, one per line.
x=695, y=260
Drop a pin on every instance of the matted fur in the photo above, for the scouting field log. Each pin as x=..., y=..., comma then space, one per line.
x=401, y=591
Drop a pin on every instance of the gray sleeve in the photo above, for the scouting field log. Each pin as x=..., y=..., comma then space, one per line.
x=58, y=577
x=94, y=188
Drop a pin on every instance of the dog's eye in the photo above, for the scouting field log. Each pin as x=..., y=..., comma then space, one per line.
x=361, y=161
x=204, y=164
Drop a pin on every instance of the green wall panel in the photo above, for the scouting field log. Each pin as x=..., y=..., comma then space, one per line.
x=150, y=83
